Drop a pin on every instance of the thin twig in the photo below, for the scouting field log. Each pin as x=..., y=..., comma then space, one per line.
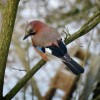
x=86, y=27
x=68, y=34
x=19, y=69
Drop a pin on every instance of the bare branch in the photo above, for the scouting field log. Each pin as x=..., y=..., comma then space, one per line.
x=89, y=25
x=19, y=69
x=23, y=81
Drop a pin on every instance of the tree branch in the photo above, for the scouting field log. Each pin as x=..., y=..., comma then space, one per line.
x=21, y=53
x=5, y=37
x=90, y=24
x=23, y=81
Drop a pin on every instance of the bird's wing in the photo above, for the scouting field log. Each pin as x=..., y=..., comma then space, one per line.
x=41, y=52
x=50, y=34
x=45, y=37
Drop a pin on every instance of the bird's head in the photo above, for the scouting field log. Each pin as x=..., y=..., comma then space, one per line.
x=29, y=30
x=33, y=27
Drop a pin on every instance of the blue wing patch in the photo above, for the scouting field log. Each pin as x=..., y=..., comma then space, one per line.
x=41, y=49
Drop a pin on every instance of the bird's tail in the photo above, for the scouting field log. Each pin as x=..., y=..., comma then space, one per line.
x=73, y=66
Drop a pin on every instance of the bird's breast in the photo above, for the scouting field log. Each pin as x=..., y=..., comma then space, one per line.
x=41, y=42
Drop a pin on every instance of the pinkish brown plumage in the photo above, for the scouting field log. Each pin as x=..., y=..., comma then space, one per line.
x=44, y=36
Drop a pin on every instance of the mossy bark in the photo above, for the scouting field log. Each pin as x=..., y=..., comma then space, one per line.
x=5, y=37
x=23, y=81
x=21, y=53
x=89, y=25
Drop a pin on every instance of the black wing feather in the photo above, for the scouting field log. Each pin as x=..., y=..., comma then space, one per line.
x=61, y=52
x=58, y=51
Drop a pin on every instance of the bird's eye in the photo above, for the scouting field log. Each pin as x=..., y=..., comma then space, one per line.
x=30, y=31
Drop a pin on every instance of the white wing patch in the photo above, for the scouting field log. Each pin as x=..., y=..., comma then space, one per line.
x=48, y=50
x=49, y=54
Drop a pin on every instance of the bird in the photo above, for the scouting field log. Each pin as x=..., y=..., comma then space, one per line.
x=45, y=37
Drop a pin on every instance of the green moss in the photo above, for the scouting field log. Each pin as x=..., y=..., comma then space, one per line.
x=5, y=37
x=90, y=24
x=23, y=81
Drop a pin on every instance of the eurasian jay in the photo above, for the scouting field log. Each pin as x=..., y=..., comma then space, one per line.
x=44, y=36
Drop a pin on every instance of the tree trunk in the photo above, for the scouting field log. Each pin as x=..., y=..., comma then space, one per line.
x=5, y=37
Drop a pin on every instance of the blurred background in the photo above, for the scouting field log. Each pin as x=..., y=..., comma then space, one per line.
x=53, y=81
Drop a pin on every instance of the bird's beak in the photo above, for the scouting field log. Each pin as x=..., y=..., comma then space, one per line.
x=26, y=36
